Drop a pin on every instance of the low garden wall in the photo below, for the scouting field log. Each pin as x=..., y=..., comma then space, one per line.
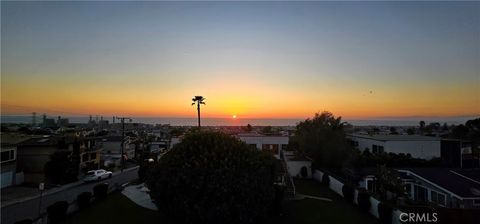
x=294, y=168
x=336, y=186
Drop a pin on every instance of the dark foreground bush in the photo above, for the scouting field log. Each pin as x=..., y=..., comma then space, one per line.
x=364, y=201
x=24, y=221
x=325, y=180
x=57, y=213
x=348, y=192
x=214, y=178
x=385, y=213
x=83, y=200
x=142, y=173
x=100, y=191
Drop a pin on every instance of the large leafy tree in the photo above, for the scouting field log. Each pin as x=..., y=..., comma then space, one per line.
x=323, y=138
x=213, y=178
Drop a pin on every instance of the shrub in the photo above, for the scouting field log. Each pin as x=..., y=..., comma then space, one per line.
x=212, y=177
x=385, y=213
x=279, y=195
x=304, y=171
x=100, y=191
x=348, y=192
x=142, y=173
x=24, y=221
x=83, y=199
x=364, y=201
x=57, y=213
x=325, y=180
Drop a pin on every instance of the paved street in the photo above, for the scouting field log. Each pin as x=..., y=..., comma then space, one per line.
x=28, y=207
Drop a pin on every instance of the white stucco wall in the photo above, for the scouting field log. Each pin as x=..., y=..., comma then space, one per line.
x=294, y=168
x=418, y=149
x=422, y=149
x=261, y=140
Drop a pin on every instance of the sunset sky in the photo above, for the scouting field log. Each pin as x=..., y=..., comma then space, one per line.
x=250, y=59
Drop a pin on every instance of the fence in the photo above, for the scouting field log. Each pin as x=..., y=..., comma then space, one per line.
x=336, y=186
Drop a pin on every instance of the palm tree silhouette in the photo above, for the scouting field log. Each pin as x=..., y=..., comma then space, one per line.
x=199, y=100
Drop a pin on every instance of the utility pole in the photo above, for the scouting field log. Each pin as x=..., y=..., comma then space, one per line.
x=122, y=119
x=34, y=119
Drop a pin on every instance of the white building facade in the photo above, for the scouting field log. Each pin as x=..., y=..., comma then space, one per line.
x=422, y=147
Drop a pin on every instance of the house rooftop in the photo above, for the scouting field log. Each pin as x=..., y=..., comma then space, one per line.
x=395, y=137
x=113, y=138
x=463, y=183
x=12, y=139
x=40, y=141
x=255, y=134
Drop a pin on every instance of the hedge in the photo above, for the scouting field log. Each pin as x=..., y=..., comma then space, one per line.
x=385, y=213
x=348, y=192
x=24, y=221
x=364, y=201
x=83, y=199
x=57, y=213
x=100, y=191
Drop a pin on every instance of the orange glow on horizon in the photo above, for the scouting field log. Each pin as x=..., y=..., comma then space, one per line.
x=246, y=96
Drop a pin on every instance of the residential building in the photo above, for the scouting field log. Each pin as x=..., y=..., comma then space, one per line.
x=457, y=153
x=269, y=143
x=34, y=153
x=444, y=187
x=90, y=154
x=452, y=188
x=422, y=147
x=111, y=151
x=8, y=164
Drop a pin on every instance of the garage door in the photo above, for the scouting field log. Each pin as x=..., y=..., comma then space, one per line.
x=7, y=179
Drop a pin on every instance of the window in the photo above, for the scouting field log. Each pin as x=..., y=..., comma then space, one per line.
x=437, y=198
x=253, y=146
x=408, y=189
x=420, y=193
x=380, y=149
x=374, y=149
x=93, y=156
x=476, y=202
x=8, y=155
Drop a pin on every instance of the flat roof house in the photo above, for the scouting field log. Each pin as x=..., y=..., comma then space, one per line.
x=422, y=147
x=269, y=143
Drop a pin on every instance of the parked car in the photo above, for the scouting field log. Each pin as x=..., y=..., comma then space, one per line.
x=96, y=175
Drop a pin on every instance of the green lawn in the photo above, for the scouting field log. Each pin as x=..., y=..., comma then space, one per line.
x=119, y=209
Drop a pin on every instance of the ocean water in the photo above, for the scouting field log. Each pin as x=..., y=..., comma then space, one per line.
x=255, y=122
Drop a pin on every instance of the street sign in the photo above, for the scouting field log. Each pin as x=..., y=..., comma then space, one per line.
x=41, y=186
